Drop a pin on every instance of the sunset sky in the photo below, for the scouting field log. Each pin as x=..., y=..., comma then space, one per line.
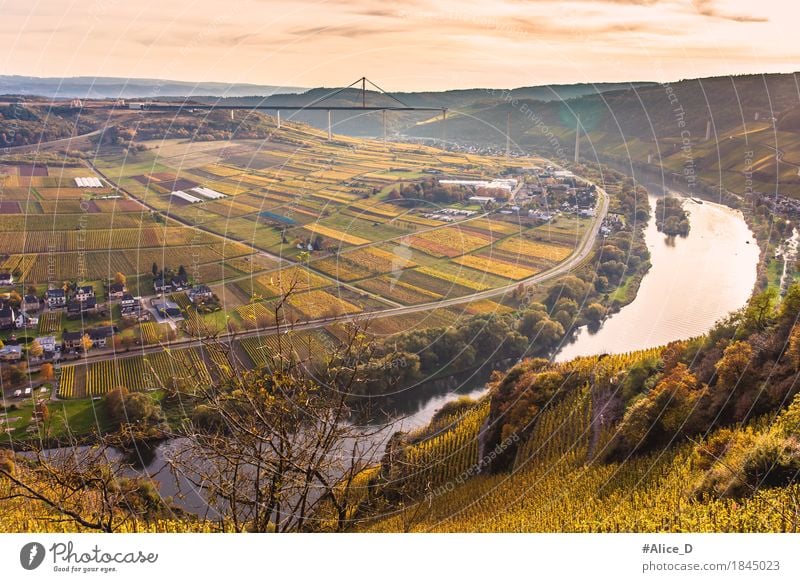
x=402, y=44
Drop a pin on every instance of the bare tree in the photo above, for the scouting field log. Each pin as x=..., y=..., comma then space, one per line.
x=274, y=448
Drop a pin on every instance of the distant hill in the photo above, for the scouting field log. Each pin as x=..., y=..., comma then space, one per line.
x=357, y=123
x=118, y=87
x=749, y=116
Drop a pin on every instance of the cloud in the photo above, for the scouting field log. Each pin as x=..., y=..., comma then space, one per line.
x=712, y=9
x=347, y=31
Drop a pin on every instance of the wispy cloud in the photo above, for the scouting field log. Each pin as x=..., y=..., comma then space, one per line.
x=410, y=44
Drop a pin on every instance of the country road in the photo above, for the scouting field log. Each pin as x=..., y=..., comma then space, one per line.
x=74, y=141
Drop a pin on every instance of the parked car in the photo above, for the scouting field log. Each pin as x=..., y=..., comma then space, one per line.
x=17, y=393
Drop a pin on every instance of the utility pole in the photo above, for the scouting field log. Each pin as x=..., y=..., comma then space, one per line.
x=444, y=125
x=384, y=126
x=279, y=118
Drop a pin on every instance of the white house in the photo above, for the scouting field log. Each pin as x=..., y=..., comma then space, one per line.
x=26, y=321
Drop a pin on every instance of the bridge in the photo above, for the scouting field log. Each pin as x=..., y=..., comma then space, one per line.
x=315, y=105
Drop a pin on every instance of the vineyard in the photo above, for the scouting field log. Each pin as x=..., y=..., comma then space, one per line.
x=296, y=279
x=336, y=235
x=362, y=263
x=137, y=373
x=448, y=242
x=487, y=265
x=524, y=247
x=316, y=304
x=261, y=350
x=555, y=487
x=66, y=382
x=50, y=322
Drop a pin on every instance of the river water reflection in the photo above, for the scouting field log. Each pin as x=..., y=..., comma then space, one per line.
x=692, y=283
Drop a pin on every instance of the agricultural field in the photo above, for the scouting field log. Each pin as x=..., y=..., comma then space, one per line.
x=296, y=279
x=525, y=247
x=361, y=263
x=136, y=373
x=254, y=219
x=320, y=304
x=304, y=344
x=487, y=265
x=448, y=242
x=398, y=290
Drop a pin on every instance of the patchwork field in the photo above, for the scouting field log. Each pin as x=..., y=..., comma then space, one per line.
x=253, y=219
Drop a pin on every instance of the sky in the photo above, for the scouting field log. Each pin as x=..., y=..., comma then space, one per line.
x=402, y=45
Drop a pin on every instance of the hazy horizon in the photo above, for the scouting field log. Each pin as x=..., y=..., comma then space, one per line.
x=412, y=46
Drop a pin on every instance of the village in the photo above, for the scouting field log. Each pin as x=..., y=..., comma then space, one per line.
x=87, y=325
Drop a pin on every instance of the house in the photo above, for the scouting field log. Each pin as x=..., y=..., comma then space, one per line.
x=7, y=317
x=482, y=200
x=179, y=283
x=101, y=335
x=56, y=298
x=161, y=286
x=6, y=279
x=30, y=304
x=128, y=300
x=78, y=307
x=166, y=308
x=84, y=293
x=199, y=293
x=72, y=339
x=11, y=353
x=25, y=321
x=117, y=290
x=131, y=308
x=48, y=343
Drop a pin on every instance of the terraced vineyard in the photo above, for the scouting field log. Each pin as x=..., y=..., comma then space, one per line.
x=554, y=487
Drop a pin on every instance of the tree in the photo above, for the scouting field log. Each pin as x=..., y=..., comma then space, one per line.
x=794, y=347
x=36, y=350
x=732, y=366
x=182, y=272
x=14, y=299
x=42, y=410
x=154, y=269
x=137, y=408
x=277, y=444
x=88, y=486
x=46, y=371
x=594, y=312
x=86, y=342
x=121, y=278
x=759, y=311
x=13, y=375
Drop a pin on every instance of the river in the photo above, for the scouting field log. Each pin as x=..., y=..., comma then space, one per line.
x=693, y=282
